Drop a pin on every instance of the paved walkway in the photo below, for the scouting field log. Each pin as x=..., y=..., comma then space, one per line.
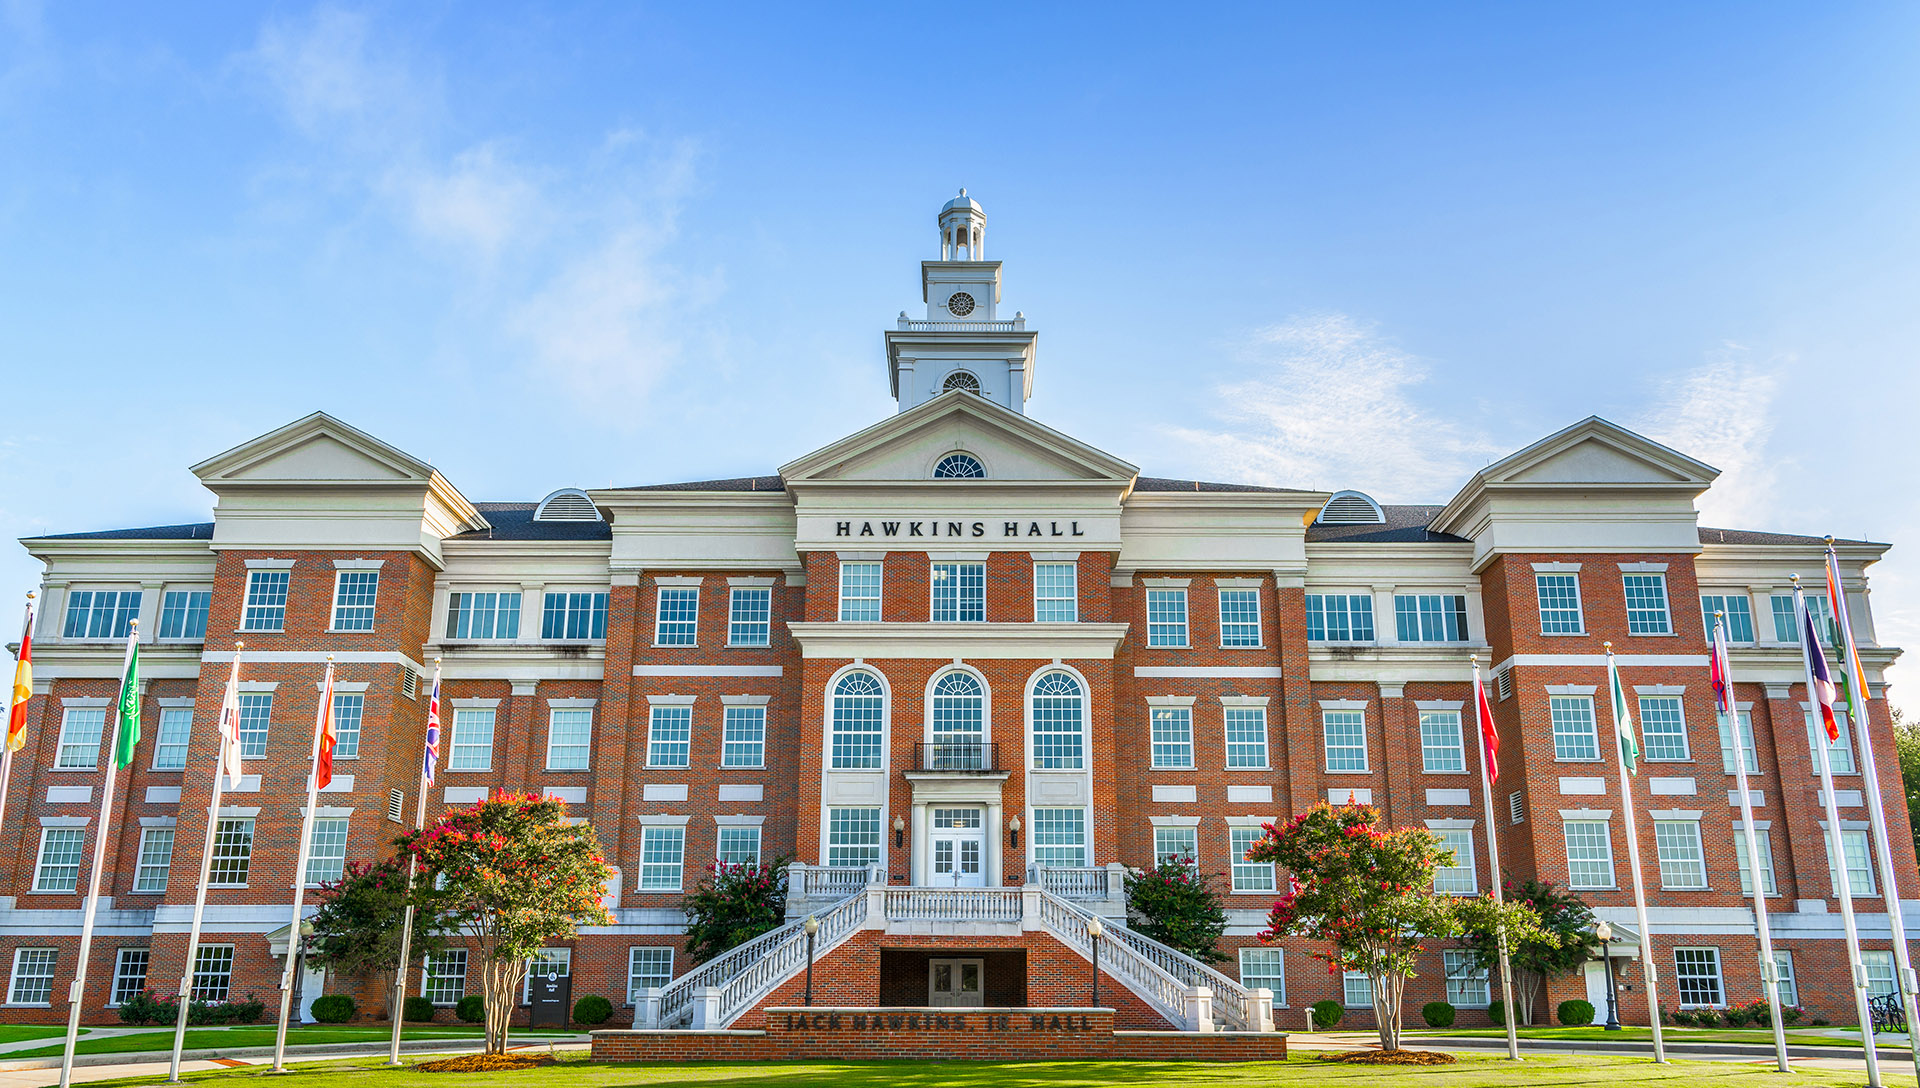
x=1894, y=1070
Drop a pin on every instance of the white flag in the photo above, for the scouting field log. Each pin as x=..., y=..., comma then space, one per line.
x=230, y=724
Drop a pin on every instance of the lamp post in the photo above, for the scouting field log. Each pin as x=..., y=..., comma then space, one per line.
x=1094, y=932
x=899, y=832
x=1604, y=931
x=1013, y=828
x=812, y=926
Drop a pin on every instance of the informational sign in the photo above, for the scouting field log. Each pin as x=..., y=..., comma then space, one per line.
x=552, y=1001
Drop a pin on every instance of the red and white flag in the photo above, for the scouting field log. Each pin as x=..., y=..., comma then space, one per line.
x=230, y=723
x=1489, y=737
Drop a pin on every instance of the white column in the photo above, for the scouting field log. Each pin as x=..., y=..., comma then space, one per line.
x=992, y=859
x=150, y=611
x=533, y=603
x=917, y=844
x=1385, y=630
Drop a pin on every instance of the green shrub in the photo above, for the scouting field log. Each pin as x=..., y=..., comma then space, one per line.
x=592, y=1009
x=334, y=1008
x=1497, y=1012
x=418, y=1009
x=230, y=1011
x=1437, y=1014
x=1739, y=1016
x=1789, y=1014
x=1706, y=1018
x=471, y=1009
x=1575, y=1014
x=1327, y=1014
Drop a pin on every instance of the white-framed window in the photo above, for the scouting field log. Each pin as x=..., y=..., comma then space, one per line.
x=1056, y=593
x=1339, y=617
x=212, y=972
x=649, y=967
x=573, y=616
x=1589, y=854
x=156, y=859
x=1783, y=971
x=1766, y=861
x=170, y=741
x=960, y=466
x=1559, y=604
x=1356, y=990
x=58, y=869
x=677, y=619
x=959, y=592
x=232, y=855
x=1059, y=722
x=1172, y=740
x=1430, y=617
x=1166, y=617
x=80, y=731
x=860, y=592
x=183, y=614
x=570, y=739
x=1176, y=844
x=1467, y=985
x=1747, y=749
x=1859, y=862
x=1696, y=972
x=1239, y=617
x=1265, y=967
x=1683, y=864
x=853, y=836
x=750, y=616
x=1247, y=737
x=129, y=975
x=1060, y=837
x=738, y=845
x=327, y=850
x=1346, y=738
x=443, y=978
x=546, y=963
x=1442, y=751
x=1878, y=964
x=101, y=613
x=1249, y=876
x=1458, y=878
x=1663, y=728
x=1839, y=751
x=670, y=735
x=32, y=981
x=483, y=615
x=663, y=851
x=1786, y=626
x=256, y=714
x=471, y=748
x=957, y=722
x=1647, y=604
x=1574, y=735
x=1739, y=615
x=348, y=708
x=743, y=736
x=355, y=593
x=859, y=716
x=265, y=608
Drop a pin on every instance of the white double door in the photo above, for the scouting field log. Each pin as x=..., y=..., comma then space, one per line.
x=957, y=848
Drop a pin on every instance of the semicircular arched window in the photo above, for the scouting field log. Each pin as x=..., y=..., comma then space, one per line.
x=859, y=703
x=958, y=719
x=1059, y=723
x=961, y=380
x=959, y=466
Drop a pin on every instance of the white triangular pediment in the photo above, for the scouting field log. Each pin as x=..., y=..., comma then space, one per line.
x=1594, y=462
x=322, y=457
x=1596, y=453
x=906, y=447
x=314, y=449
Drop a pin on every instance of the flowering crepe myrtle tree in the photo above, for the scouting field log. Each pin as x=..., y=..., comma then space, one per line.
x=510, y=874
x=1179, y=907
x=1367, y=892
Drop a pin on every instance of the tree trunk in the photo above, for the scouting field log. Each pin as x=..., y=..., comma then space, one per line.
x=502, y=995
x=1387, y=992
x=1526, y=984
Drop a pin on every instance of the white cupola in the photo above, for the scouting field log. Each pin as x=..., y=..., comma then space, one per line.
x=963, y=229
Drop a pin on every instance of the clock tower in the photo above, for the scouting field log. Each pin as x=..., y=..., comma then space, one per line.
x=962, y=344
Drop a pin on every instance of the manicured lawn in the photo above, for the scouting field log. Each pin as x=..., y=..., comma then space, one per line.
x=1757, y=1036
x=251, y=1035
x=1474, y=1071
x=14, y=1033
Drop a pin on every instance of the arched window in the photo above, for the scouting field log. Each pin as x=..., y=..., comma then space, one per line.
x=959, y=466
x=961, y=380
x=858, y=704
x=958, y=717
x=1059, y=723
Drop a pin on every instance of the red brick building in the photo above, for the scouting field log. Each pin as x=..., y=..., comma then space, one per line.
x=956, y=650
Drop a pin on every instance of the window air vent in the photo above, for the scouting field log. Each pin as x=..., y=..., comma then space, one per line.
x=567, y=504
x=1351, y=508
x=1503, y=682
x=409, y=683
x=1516, y=807
x=396, y=805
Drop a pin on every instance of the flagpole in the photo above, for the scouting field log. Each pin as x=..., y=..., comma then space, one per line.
x=1729, y=713
x=1837, y=844
x=1493, y=859
x=1615, y=693
x=206, y=874
x=13, y=700
x=1876, y=812
x=77, y=988
x=413, y=865
x=300, y=871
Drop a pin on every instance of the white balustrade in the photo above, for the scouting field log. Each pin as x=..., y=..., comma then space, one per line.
x=1080, y=882
x=953, y=904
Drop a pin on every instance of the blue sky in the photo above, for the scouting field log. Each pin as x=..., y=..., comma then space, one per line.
x=1330, y=246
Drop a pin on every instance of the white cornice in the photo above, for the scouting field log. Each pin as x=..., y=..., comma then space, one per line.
x=945, y=641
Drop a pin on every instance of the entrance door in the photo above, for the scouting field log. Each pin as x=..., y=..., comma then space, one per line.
x=958, y=841
x=956, y=983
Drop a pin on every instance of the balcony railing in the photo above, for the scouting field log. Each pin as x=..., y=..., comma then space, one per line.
x=957, y=755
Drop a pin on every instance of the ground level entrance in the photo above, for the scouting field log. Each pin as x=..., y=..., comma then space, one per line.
x=958, y=978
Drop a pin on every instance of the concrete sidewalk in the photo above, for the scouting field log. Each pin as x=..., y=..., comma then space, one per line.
x=38, y=1072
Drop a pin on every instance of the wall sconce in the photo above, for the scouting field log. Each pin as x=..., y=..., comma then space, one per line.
x=1013, y=832
x=899, y=832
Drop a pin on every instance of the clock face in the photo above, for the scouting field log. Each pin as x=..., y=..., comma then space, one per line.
x=960, y=304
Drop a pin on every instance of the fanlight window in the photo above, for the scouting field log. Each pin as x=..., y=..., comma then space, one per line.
x=961, y=380
x=959, y=466
x=858, y=702
x=1059, y=723
x=958, y=720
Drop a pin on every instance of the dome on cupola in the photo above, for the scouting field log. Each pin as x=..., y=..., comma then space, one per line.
x=963, y=201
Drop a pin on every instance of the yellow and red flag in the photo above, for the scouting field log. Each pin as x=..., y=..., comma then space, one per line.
x=22, y=688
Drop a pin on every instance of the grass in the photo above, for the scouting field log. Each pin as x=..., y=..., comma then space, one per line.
x=233, y=1038
x=1800, y=1036
x=1473, y=1071
x=17, y=1033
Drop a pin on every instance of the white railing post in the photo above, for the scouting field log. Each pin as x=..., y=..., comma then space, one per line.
x=1199, y=1008
x=706, y=1009
x=1260, y=1009
x=796, y=885
x=1030, y=907
x=874, y=876
x=1116, y=881
x=646, y=1011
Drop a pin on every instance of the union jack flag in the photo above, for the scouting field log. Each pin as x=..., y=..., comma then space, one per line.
x=433, y=731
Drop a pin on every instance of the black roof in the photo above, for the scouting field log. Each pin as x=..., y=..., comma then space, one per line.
x=199, y=530
x=1404, y=525
x=1751, y=536
x=742, y=483
x=1155, y=483
x=514, y=521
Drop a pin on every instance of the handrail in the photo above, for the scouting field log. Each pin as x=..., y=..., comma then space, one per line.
x=1167, y=994
x=677, y=997
x=1231, y=999
x=779, y=963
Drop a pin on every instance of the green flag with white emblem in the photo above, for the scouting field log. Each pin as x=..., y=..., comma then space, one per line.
x=129, y=735
x=1623, y=719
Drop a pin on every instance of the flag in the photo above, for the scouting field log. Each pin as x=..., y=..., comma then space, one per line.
x=1720, y=673
x=22, y=688
x=1824, y=691
x=130, y=702
x=1489, y=739
x=433, y=732
x=1855, y=675
x=323, y=764
x=230, y=723
x=1622, y=719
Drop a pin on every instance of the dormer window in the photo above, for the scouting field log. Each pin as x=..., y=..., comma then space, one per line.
x=959, y=466
x=963, y=381
x=1351, y=508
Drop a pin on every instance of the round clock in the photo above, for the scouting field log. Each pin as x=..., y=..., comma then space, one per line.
x=960, y=304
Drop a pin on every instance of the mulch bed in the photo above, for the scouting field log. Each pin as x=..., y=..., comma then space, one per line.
x=1391, y=1057
x=482, y=1063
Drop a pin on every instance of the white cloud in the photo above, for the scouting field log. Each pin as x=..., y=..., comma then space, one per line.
x=1721, y=412
x=1329, y=405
